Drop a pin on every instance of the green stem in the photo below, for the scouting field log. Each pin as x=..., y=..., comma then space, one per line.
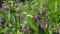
x=56, y=7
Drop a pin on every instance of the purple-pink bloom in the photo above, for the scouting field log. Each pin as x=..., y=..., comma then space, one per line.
x=35, y=19
x=16, y=5
x=55, y=30
x=21, y=17
x=46, y=26
x=24, y=30
x=4, y=7
x=41, y=25
x=43, y=9
x=2, y=21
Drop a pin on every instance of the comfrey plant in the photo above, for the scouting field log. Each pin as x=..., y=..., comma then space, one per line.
x=29, y=16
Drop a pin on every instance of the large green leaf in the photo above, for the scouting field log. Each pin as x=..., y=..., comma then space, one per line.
x=51, y=3
x=31, y=23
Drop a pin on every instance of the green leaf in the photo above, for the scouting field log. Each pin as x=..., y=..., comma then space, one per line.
x=50, y=3
x=4, y=14
x=31, y=23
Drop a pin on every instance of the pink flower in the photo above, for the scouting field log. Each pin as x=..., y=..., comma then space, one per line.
x=41, y=25
x=46, y=26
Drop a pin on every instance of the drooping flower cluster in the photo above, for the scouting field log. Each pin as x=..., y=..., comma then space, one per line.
x=4, y=7
x=24, y=28
x=42, y=25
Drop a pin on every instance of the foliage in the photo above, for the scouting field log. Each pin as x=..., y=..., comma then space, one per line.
x=20, y=17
